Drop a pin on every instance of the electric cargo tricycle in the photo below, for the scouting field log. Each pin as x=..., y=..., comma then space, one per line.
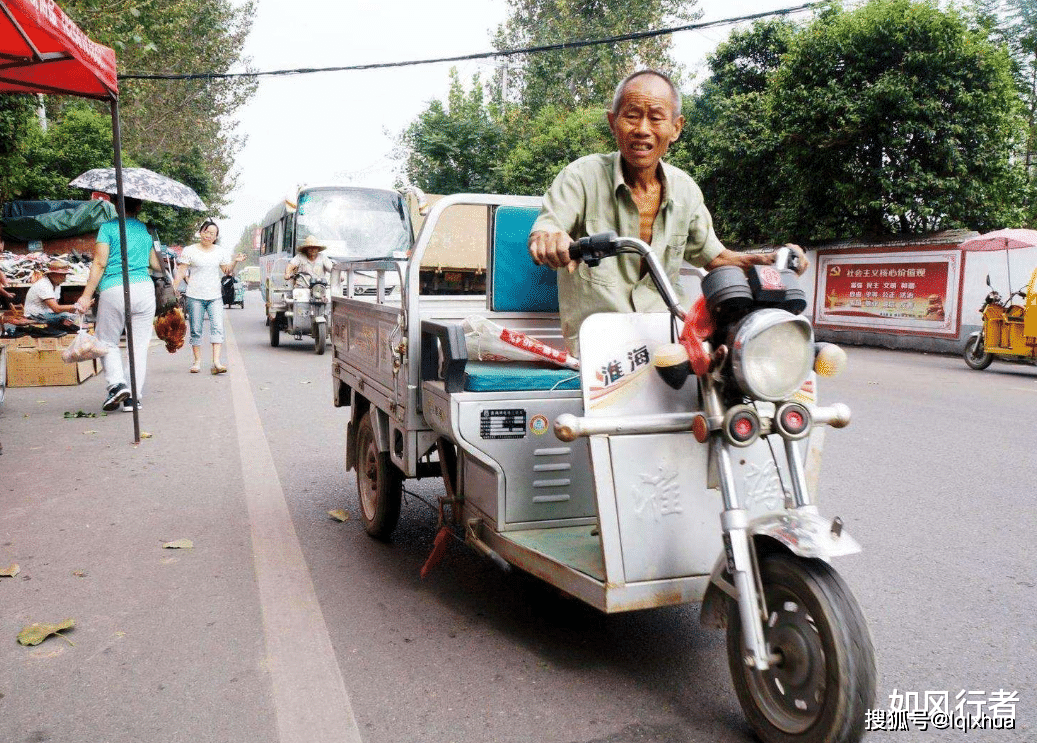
x=1009, y=331
x=301, y=308
x=676, y=465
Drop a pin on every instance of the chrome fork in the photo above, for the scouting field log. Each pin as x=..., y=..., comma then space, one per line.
x=734, y=521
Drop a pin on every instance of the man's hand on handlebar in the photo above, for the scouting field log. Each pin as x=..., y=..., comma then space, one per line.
x=551, y=249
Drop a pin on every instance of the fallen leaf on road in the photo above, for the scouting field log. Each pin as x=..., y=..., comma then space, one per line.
x=145, y=435
x=34, y=634
x=79, y=573
x=10, y=571
x=339, y=514
x=179, y=544
x=85, y=432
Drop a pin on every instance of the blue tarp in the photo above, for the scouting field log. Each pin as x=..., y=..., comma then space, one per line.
x=42, y=220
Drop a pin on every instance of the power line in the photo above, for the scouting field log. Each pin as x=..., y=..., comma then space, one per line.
x=480, y=55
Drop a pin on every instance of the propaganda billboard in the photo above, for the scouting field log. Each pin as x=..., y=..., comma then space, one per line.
x=894, y=292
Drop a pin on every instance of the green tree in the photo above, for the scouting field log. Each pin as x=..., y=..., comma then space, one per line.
x=1018, y=30
x=548, y=142
x=453, y=147
x=728, y=142
x=180, y=128
x=79, y=141
x=17, y=122
x=895, y=117
x=575, y=78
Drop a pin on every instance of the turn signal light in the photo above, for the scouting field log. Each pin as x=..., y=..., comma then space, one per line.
x=829, y=359
x=672, y=363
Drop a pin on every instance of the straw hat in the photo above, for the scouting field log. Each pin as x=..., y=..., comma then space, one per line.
x=57, y=266
x=312, y=242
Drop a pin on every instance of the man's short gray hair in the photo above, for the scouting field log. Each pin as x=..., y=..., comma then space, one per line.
x=617, y=97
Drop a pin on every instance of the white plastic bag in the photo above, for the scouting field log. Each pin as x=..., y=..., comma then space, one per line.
x=488, y=341
x=84, y=347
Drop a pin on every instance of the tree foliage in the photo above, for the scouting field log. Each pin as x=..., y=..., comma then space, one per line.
x=16, y=124
x=453, y=147
x=728, y=143
x=179, y=128
x=892, y=118
x=575, y=78
x=470, y=145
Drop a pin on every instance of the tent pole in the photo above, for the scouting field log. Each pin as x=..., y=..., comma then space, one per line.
x=121, y=202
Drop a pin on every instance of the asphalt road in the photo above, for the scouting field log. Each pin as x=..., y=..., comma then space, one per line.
x=935, y=477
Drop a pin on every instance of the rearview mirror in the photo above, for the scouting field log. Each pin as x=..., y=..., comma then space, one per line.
x=988, y=281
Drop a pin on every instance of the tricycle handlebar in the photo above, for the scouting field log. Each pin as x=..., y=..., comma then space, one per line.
x=593, y=248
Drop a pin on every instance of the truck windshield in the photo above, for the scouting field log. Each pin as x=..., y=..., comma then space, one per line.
x=354, y=222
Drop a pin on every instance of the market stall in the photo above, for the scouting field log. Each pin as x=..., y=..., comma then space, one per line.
x=43, y=51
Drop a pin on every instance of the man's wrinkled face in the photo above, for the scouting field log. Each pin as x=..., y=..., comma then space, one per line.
x=644, y=125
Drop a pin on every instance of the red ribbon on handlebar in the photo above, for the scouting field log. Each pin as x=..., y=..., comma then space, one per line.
x=698, y=326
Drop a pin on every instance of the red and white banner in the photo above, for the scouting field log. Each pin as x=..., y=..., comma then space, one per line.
x=914, y=292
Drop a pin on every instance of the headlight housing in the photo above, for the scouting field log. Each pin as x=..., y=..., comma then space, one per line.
x=772, y=353
x=319, y=292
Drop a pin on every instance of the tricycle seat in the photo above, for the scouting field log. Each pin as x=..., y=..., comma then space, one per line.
x=518, y=376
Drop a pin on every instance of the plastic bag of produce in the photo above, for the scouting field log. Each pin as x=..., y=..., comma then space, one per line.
x=84, y=347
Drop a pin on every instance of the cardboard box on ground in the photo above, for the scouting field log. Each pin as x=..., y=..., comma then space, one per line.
x=36, y=362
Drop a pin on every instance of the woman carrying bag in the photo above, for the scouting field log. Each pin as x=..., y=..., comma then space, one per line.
x=106, y=279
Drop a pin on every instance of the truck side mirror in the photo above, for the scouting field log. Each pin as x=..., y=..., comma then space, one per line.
x=988, y=281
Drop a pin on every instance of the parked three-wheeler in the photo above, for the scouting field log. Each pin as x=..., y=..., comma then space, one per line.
x=1009, y=331
x=677, y=464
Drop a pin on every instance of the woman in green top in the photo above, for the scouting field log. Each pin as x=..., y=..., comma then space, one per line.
x=106, y=279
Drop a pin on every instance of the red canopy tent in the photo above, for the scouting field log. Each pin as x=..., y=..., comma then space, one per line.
x=43, y=51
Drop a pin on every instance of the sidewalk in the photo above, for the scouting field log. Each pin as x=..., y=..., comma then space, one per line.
x=168, y=644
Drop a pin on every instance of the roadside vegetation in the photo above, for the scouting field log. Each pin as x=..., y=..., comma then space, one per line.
x=894, y=117
x=183, y=129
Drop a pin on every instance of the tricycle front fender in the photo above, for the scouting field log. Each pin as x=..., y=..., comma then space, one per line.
x=805, y=533
x=802, y=532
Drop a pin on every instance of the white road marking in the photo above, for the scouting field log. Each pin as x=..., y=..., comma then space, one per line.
x=310, y=697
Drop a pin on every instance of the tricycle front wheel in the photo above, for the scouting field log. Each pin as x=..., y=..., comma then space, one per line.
x=275, y=330
x=822, y=680
x=975, y=354
x=379, y=483
x=320, y=338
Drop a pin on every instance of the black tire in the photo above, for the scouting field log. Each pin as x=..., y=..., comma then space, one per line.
x=379, y=484
x=820, y=690
x=320, y=342
x=275, y=331
x=974, y=355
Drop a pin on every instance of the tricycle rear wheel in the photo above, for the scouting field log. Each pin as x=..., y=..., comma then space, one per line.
x=824, y=679
x=975, y=355
x=379, y=483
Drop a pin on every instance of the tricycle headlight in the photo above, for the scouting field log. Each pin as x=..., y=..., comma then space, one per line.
x=772, y=353
x=319, y=292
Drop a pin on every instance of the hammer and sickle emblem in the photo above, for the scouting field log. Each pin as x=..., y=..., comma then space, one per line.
x=835, y=271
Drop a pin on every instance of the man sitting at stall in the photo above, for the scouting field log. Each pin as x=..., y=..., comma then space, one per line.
x=41, y=302
x=308, y=262
x=636, y=194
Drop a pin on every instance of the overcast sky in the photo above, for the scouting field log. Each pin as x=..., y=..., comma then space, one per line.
x=339, y=127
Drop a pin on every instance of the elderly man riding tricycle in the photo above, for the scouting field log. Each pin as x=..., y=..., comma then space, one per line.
x=674, y=465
